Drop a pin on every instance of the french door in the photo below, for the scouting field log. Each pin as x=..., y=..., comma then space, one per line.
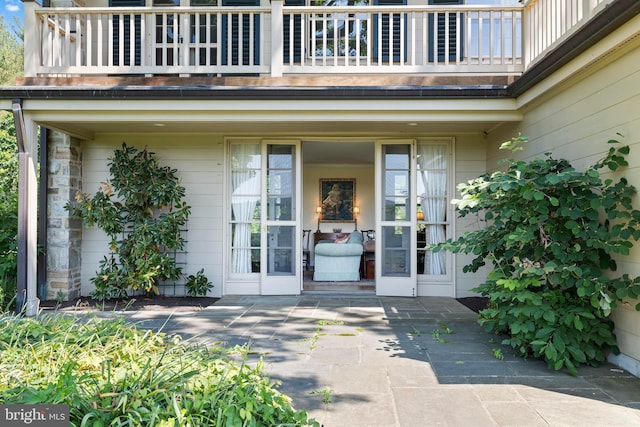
x=265, y=186
x=395, y=218
x=281, y=266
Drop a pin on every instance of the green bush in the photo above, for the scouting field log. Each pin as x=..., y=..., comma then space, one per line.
x=142, y=211
x=552, y=234
x=198, y=284
x=113, y=374
x=8, y=210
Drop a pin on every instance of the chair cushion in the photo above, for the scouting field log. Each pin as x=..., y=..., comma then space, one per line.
x=355, y=237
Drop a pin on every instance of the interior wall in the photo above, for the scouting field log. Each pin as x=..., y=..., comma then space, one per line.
x=364, y=192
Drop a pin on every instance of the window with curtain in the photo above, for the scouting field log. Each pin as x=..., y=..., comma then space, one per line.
x=432, y=206
x=245, y=207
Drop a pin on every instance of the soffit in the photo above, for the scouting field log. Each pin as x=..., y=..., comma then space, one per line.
x=85, y=118
x=297, y=128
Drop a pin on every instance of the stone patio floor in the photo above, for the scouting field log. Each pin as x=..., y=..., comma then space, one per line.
x=363, y=360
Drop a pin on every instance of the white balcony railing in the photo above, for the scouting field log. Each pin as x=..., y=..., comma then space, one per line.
x=277, y=40
x=549, y=22
x=406, y=39
x=152, y=40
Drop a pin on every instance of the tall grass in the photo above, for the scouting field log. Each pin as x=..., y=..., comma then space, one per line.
x=113, y=374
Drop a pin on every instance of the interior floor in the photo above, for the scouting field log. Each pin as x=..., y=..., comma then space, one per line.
x=363, y=286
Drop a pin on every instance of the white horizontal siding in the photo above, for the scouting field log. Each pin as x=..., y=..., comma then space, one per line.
x=574, y=122
x=200, y=166
x=470, y=163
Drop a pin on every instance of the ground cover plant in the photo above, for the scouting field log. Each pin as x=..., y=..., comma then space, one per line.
x=552, y=235
x=114, y=374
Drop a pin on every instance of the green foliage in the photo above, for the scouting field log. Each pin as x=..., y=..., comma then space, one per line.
x=497, y=353
x=11, y=55
x=8, y=210
x=198, y=284
x=113, y=374
x=142, y=212
x=326, y=394
x=552, y=236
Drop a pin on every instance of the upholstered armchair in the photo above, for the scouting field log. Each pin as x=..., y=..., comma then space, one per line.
x=337, y=262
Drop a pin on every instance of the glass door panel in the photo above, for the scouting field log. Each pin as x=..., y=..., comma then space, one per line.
x=395, y=164
x=281, y=251
x=282, y=272
x=432, y=204
x=396, y=251
x=246, y=190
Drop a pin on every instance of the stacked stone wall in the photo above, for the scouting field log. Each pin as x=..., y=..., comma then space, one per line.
x=64, y=233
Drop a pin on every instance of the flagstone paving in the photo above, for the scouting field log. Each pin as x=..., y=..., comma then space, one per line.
x=353, y=360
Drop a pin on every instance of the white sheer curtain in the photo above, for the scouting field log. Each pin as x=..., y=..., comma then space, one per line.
x=432, y=169
x=245, y=193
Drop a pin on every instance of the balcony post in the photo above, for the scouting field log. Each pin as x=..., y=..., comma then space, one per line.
x=589, y=9
x=184, y=40
x=526, y=36
x=277, y=35
x=32, y=46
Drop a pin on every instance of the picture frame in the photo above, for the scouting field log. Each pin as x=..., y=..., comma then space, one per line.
x=337, y=199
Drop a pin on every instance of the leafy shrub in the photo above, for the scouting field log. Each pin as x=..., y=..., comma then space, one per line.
x=142, y=211
x=8, y=210
x=198, y=284
x=552, y=234
x=110, y=373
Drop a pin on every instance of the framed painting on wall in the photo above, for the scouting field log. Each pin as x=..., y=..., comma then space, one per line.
x=337, y=197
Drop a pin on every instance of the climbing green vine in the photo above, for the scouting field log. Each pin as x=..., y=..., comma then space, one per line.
x=552, y=237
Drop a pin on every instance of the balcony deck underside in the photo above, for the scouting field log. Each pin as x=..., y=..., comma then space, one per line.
x=380, y=81
x=350, y=115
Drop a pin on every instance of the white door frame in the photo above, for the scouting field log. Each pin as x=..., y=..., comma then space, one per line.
x=396, y=283
x=273, y=282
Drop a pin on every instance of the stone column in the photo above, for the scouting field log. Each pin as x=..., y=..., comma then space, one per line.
x=64, y=233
